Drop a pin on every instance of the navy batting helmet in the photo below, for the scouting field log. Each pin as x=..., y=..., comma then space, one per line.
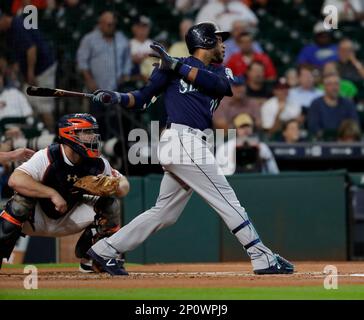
x=80, y=132
x=203, y=35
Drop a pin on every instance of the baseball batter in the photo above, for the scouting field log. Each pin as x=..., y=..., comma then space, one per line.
x=47, y=204
x=193, y=88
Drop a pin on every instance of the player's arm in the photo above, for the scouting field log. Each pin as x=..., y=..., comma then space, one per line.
x=24, y=184
x=212, y=83
x=135, y=99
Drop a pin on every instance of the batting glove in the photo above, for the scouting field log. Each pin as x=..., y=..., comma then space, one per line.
x=167, y=62
x=106, y=97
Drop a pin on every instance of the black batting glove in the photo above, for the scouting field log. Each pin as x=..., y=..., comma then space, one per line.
x=167, y=62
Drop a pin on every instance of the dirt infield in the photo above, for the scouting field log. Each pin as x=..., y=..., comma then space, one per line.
x=186, y=275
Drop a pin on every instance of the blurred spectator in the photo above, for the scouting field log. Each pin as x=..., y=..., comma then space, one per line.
x=225, y=12
x=349, y=131
x=328, y=112
x=245, y=153
x=36, y=61
x=256, y=86
x=350, y=68
x=103, y=56
x=348, y=10
x=13, y=102
x=140, y=44
x=232, y=46
x=347, y=89
x=306, y=92
x=279, y=108
x=291, y=131
x=232, y=106
x=291, y=76
x=179, y=49
x=189, y=6
x=239, y=62
x=321, y=51
x=104, y=60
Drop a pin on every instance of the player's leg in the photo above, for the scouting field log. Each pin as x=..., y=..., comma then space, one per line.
x=107, y=221
x=171, y=201
x=203, y=175
x=17, y=211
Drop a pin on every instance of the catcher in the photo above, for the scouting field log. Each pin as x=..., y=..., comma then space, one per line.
x=64, y=189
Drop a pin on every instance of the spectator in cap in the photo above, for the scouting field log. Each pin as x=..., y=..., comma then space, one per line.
x=279, y=108
x=240, y=61
x=140, y=43
x=226, y=154
x=321, y=51
x=232, y=106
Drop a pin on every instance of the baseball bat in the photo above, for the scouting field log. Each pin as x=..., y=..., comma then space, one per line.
x=48, y=92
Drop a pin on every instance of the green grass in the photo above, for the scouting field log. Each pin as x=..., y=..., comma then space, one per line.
x=258, y=293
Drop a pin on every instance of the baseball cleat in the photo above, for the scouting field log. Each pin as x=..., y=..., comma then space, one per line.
x=112, y=266
x=282, y=266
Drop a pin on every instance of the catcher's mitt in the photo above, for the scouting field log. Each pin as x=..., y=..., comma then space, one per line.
x=100, y=185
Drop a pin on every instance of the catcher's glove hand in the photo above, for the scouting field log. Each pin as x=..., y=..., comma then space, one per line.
x=100, y=185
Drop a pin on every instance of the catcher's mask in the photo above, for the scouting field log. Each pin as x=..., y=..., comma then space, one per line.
x=80, y=132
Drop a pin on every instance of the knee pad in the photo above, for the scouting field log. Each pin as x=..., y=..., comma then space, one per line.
x=21, y=208
x=17, y=210
x=107, y=219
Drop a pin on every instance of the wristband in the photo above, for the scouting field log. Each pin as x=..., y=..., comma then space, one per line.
x=183, y=69
x=123, y=99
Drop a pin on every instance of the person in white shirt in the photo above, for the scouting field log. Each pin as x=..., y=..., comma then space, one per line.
x=305, y=92
x=226, y=153
x=225, y=12
x=279, y=108
x=13, y=102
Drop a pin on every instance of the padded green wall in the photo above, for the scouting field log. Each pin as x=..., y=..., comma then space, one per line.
x=300, y=215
